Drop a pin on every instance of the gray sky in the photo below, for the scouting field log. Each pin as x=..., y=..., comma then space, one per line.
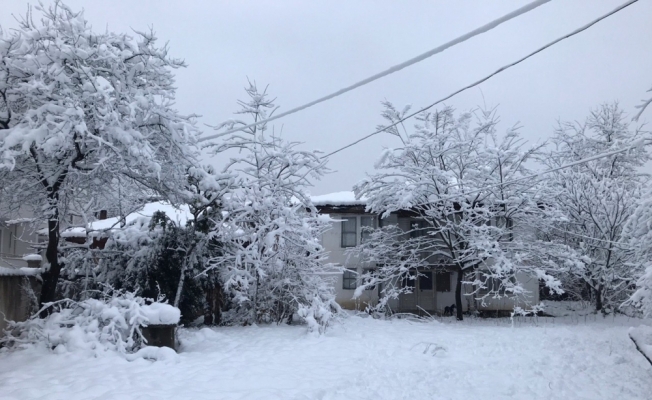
x=306, y=49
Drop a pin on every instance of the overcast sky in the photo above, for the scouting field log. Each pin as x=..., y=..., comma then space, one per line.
x=306, y=49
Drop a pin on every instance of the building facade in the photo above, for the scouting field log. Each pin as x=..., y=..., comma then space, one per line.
x=432, y=290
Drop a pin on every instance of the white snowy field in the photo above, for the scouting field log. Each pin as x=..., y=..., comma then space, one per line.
x=361, y=358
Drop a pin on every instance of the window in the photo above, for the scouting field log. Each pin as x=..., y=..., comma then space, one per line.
x=425, y=280
x=349, y=232
x=366, y=225
x=418, y=228
x=409, y=281
x=443, y=281
x=349, y=280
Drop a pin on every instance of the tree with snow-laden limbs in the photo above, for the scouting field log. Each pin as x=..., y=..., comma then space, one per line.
x=272, y=257
x=598, y=199
x=79, y=109
x=453, y=175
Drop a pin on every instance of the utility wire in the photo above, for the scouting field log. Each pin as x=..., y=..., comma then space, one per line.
x=575, y=32
x=487, y=27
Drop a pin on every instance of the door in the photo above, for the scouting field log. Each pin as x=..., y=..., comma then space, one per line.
x=422, y=296
x=408, y=301
x=426, y=291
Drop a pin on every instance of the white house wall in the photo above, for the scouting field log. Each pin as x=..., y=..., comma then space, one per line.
x=16, y=240
x=332, y=240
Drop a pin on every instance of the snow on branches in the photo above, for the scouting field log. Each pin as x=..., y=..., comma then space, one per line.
x=79, y=110
x=270, y=231
x=598, y=200
x=453, y=174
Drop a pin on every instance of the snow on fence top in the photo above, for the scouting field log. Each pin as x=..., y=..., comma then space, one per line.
x=179, y=215
x=338, y=199
x=5, y=271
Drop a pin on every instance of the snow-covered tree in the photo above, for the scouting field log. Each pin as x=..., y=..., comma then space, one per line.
x=272, y=256
x=598, y=199
x=454, y=175
x=80, y=109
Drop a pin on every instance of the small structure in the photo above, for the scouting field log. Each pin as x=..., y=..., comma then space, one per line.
x=19, y=294
x=162, y=324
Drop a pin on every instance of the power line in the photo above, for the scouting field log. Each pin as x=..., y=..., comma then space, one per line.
x=501, y=69
x=487, y=27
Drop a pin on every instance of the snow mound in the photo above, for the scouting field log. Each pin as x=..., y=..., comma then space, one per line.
x=153, y=353
x=161, y=314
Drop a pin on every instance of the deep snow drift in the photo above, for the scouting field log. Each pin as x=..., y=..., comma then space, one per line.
x=362, y=358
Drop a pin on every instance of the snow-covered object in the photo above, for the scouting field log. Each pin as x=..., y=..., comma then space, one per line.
x=338, y=199
x=92, y=325
x=161, y=314
x=642, y=336
x=5, y=271
x=33, y=257
x=642, y=297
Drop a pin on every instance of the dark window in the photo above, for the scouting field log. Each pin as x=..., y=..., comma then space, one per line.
x=443, y=281
x=366, y=225
x=349, y=280
x=425, y=280
x=409, y=281
x=349, y=232
x=418, y=228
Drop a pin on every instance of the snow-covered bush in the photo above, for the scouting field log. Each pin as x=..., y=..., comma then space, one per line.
x=112, y=323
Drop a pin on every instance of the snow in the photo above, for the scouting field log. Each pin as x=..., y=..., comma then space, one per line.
x=642, y=335
x=179, y=215
x=361, y=358
x=338, y=199
x=7, y=271
x=161, y=314
x=32, y=257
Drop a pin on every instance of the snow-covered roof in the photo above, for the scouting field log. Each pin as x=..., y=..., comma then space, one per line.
x=338, y=199
x=179, y=215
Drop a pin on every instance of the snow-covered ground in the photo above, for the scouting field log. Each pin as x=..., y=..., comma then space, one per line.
x=361, y=358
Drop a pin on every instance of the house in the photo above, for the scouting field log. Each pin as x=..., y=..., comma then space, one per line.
x=432, y=290
x=18, y=242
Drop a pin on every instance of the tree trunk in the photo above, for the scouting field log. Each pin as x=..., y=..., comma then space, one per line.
x=458, y=294
x=182, y=279
x=598, y=298
x=51, y=275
